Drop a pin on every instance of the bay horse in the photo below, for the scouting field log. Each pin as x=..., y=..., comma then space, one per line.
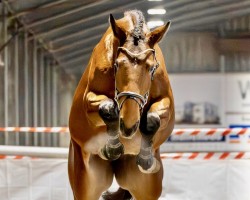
x=122, y=111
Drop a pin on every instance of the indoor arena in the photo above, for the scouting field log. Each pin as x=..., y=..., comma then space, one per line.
x=124, y=100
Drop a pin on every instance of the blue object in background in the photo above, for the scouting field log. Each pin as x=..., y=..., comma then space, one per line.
x=239, y=126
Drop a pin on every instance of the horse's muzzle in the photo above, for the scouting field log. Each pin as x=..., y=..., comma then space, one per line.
x=128, y=132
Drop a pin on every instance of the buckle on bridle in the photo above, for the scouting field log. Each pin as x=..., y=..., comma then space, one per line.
x=152, y=71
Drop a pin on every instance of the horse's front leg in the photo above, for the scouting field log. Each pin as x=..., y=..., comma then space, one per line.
x=113, y=149
x=156, y=118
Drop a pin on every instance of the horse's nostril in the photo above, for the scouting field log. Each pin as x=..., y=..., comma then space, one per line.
x=127, y=132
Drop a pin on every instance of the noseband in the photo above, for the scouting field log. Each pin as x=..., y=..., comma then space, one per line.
x=141, y=100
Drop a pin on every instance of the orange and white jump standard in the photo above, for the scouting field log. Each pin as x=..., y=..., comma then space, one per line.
x=122, y=112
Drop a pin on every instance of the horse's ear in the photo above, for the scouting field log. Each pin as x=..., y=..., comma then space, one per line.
x=157, y=34
x=117, y=31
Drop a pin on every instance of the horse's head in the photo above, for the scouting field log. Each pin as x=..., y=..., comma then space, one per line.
x=135, y=63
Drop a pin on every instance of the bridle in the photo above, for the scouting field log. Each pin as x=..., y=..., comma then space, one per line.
x=141, y=100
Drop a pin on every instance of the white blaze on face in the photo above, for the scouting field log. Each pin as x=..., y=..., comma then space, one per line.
x=135, y=65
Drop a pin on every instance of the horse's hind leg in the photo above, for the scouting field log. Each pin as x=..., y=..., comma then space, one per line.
x=89, y=174
x=142, y=186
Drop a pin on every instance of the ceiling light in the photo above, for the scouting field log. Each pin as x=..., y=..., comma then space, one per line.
x=152, y=24
x=159, y=11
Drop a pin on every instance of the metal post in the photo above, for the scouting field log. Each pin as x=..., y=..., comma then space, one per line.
x=54, y=105
x=223, y=89
x=222, y=64
x=16, y=63
x=6, y=73
x=42, y=97
x=26, y=87
x=48, y=100
x=35, y=91
x=1, y=81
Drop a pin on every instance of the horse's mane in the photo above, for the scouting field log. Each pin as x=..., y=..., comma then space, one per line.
x=137, y=31
x=139, y=22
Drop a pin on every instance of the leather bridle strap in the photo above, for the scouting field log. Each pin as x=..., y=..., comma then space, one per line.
x=141, y=100
x=136, y=54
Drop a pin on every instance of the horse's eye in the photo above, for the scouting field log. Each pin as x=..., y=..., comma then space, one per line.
x=116, y=64
x=150, y=69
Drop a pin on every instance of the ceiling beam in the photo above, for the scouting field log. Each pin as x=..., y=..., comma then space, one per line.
x=74, y=54
x=102, y=26
x=168, y=4
x=198, y=14
x=193, y=6
x=38, y=8
x=210, y=11
x=81, y=21
x=217, y=14
x=175, y=12
x=45, y=4
x=97, y=28
x=53, y=3
x=69, y=12
x=76, y=60
x=84, y=41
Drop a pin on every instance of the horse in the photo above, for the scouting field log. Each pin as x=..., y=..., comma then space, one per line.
x=122, y=111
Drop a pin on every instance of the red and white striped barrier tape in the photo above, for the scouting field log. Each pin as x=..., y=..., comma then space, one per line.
x=206, y=156
x=35, y=129
x=211, y=132
x=179, y=132
x=171, y=156
x=17, y=157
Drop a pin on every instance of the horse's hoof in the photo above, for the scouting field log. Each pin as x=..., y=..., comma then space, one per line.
x=110, y=153
x=101, y=154
x=153, y=169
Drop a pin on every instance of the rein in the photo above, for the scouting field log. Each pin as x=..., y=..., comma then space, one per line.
x=141, y=100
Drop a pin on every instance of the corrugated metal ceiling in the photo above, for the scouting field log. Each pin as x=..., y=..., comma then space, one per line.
x=69, y=29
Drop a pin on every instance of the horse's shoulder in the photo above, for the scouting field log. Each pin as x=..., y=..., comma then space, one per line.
x=102, y=56
x=101, y=78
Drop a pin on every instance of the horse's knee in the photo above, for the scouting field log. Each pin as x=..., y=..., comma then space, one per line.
x=108, y=111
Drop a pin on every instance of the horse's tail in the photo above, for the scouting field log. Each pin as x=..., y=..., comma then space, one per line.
x=120, y=194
